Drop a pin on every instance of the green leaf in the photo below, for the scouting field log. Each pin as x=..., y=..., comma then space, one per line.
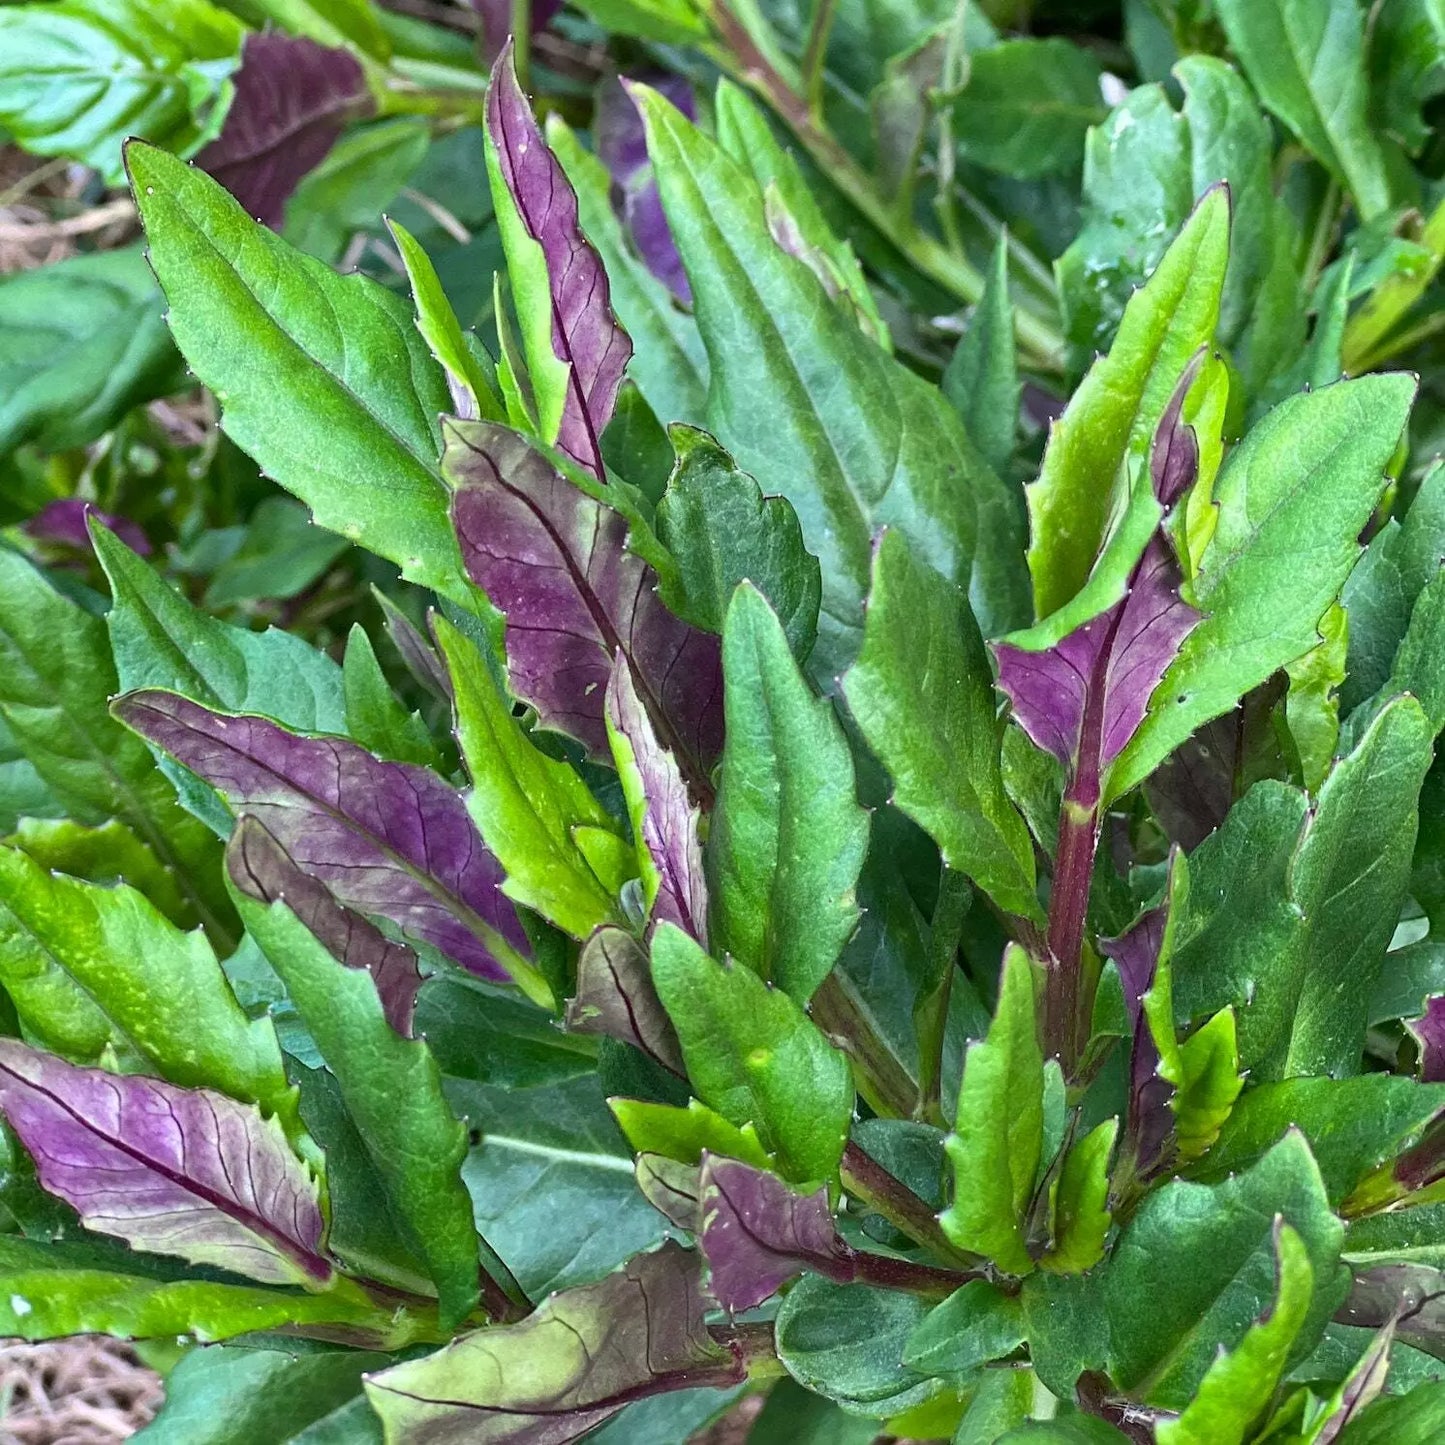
x=1027, y=106
x=326, y=382
x=350, y=23
x=845, y=1342
x=922, y=693
x=788, y=837
x=1306, y=60
x=530, y=807
x=237, y=1395
x=668, y=363
x=853, y=439
x=1111, y=418
x=684, y=1133
x=1407, y=54
x=1215, y=1246
x=1240, y=1385
x=1312, y=708
x=82, y=341
x=375, y=717
x=721, y=531
x=795, y=1416
x=1419, y=668
x=90, y=967
x=281, y=556
x=1080, y=1203
x=981, y=378
x=972, y=1326
x=755, y=1057
x=56, y=682
x=1300, y=486
x=392, y=1090
x=1413, y=1419
x=1075, y=1429
x=997, y=1141
x=78, y=77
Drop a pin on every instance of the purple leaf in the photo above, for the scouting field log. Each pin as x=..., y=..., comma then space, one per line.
x=175, y=1171
x=757, y=1234
x=555, y=562
x=416, y=652
x=615, y=997
x=1429, y=1031
x=1149, y=1120
x=63, y=523
x=622, y=147
x=390, y=839
x=585, y=334
x=575, y=1362
x=496, y=18
x=262, y=869
x=662, y=813
x=293, y=99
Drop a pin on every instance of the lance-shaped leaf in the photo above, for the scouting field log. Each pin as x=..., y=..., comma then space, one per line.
x=664, y=820
x=788, y=837
x=176, y=1171
x=615, y=997
x=1083, y=698
x=292, y=100
x=262, y=869
x=387, y=838
x=555, y=562
x=686, y=1134
x=576, y=352
x=574, y=1363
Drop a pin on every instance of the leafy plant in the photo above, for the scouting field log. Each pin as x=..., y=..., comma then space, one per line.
x=840, y=802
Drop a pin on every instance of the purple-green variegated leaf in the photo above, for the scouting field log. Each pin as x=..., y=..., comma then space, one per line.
x=63, y=523
x=615, y=997
x=1429, y=1032
x=622, y=147
x=664, y=817
x=262, y=869
x=390, y=839
x=585, y=335
x=173, y=1171
x=571, y=1365
x=757, y=1234
x=293, y=99
x=555, y=562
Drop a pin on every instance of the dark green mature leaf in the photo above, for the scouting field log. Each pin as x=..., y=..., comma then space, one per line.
x=721, y=531
x=1306, y=58
x=1407, y=57
x=974, y=1325
x=981, y=378
x=325, y=381
x=851, y=438
x=56, y=680
x=81, y=342
x=755, y=1057
x=390, y=1084
x=922, y=693
x=79, y=77
x=352, y=23
x=1215, y=1247
x=1301, y=485
x=1413, y=1419
x=234, y=1394
x=788, y=837
x=999, y=1134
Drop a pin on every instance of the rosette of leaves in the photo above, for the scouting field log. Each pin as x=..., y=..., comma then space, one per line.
x=815, y=887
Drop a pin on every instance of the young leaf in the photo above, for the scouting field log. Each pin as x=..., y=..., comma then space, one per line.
x=375, y=717
x=292, y=100
x=615, y=997
x=998, y=1139
x=569, y=1366
x=981, y=378
x=1302, y=484
x=754, y=1056
x=387, y=838
x=922, y=694
x=1080, y=1203
x=1306, y=58
x=532, y=810
x=1239, y=1386
x=554, y=561
x=389, y=1081
x=308, y=376
x=576, y=352
x=665, y=824
x=1112, y=417
x=176, y=1171
x=721, y=531
x=788, y=837
x=685, y=1134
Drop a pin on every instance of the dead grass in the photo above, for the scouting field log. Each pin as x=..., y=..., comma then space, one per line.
x=81, y=1391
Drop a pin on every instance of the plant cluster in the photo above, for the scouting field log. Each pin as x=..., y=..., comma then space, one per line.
x=782, y=744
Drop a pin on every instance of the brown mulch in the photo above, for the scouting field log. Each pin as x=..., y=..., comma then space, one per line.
x=82, y=1391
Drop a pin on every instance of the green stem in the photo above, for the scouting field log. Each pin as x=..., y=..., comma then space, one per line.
x=522, y=40
x=1325, y=224
x=930, y=1010
x=815, y=52
x=1366, y=344
x=878, y=1074
x=873, y=1186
